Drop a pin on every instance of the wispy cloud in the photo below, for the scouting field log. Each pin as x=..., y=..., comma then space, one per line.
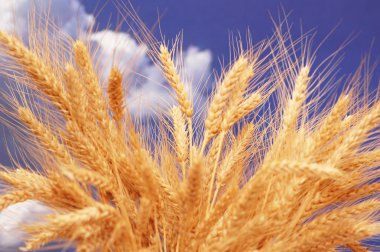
x=69, y=15
x=11, y=218
x=147, y=90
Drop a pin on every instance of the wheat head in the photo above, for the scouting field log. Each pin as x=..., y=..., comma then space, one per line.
x=253, y=174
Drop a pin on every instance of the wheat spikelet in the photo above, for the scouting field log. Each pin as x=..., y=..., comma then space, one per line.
x=61, y=224
x=45, y=189
x=292, y=109
x=226, y=171
x=356, y=247
x=342, y=127
x=321, y=225
x=331, y=124
x=240, y=111
x=143, y=221
x=116, y=94
x=216, y=214
x=39, y=240
x=216, y=121
x=220, y=99
x=94, y=92
x=243, y=207
x=23, y=180
x=175, y=82
x=367, y=159
x=51, y=143
x=44, y=135
x=237, y=96
x=356, y=135
x=83, y=149
x=180, y=136
x=42, y=76
x=191, y=202
x=92, y=178
x=77, y=95
x=12, y=198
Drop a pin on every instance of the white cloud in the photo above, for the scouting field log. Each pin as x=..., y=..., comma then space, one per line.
x=147, y=91
x=68, y=15
x=10, y=219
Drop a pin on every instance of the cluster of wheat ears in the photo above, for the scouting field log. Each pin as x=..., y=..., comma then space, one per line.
x=272, y=164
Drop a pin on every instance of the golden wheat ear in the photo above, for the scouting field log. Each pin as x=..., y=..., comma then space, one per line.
x=41, y=74
x=213, y=122
x=77, y=95
x=116, y=95
x=92, y=85
x=180, y=136
x=175, y=81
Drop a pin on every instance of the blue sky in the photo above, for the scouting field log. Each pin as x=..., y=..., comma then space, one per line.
x=207, y=23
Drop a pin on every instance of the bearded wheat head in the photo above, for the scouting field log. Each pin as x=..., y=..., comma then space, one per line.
x=251, y=174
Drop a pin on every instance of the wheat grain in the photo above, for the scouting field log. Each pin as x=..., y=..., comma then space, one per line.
x=180, y=136
x=175, y=82
x=116, y=94
x=330, y=125
x=236, y=153
x=356, y=135
x=12, y=198
x=44, y=135
x=77, y=96
x=215, y=112
x=292, y=109
x=42, y=76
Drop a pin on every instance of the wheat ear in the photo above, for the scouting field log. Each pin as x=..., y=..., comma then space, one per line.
x=94, y=92
x=294, y=105
x=180, y=136
x=330, y=126
x=356, y=135
x=116, y=94
x=191, y=201
x=241, y=110
x=356, y=247
x=77, y=96
x=44, y=135
x=59, y=225
x=236, y=154
x=175, y=82
x=52, y=144
x=12, y=198
x=214, y=119
x=220, y=99
x=41, y=74
x=344, y=233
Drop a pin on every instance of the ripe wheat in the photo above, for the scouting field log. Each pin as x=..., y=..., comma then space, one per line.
x=254, y=176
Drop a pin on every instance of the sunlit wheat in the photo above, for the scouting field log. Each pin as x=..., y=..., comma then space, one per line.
x=265, y=169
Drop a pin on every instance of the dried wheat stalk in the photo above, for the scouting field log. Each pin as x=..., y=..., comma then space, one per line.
x=282, y=179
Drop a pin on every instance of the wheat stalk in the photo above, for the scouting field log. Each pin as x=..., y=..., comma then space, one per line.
x=283, y=177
